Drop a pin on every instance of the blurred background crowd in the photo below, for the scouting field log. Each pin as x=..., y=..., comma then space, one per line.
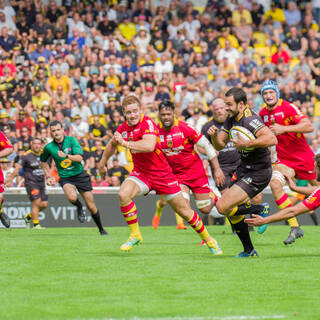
x=74, y=61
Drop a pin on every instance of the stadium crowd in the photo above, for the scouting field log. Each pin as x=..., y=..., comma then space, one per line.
x=75, y=61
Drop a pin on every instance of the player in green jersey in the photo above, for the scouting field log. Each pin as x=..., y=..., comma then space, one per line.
x=67, y=155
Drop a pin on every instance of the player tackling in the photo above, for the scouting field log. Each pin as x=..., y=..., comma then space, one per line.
x=151, y=172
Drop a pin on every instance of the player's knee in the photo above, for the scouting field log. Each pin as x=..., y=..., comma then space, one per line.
x=222, y=208
x=205, y=210
x=123, y=196
x=43, y=204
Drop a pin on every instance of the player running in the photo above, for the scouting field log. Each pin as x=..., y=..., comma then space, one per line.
x=177, y=141
x=306, y=206
x=254, y=171
x=294, y=156
x=67, y=155
x=34, y=182
x=6, y=148
x=151, y=172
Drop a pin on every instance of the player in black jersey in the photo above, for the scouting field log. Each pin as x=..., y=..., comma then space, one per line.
x=34, y=182
x=254, y=171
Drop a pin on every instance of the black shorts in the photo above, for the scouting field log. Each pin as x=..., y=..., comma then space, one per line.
x=36, y=191
x=253, y=181
x=228, y=172
x=81, y=181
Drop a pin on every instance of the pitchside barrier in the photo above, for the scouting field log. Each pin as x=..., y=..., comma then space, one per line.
x=60, y=213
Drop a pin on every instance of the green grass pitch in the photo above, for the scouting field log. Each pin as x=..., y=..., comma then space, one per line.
x=74, y=273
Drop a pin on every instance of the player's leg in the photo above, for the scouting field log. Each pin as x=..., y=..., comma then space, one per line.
x=186, y=194
x=282, y=199
x=72, y=195
x=180, y=205
x=129, y=189
x=160, y=204
x=95, y=214
x=257, y=200
x=228, y=205
x=3, y=216
x=35, y=209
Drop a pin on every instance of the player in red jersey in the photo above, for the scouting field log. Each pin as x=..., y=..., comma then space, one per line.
x=294, y=156
x=178, y=140
x=151, y=172
x=306, y=206
x=5, y=149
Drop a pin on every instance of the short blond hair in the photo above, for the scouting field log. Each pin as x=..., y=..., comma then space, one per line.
x=131, y=99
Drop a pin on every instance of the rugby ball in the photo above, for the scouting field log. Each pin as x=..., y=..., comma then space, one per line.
x=238, y=131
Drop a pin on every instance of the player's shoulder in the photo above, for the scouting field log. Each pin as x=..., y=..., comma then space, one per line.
x=26, y=153
x=263, y=109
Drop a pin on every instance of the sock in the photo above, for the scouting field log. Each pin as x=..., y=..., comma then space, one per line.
x=35, y=222
x=179, y=219
x=77, y=203
x=242, y=231
x=97, y=220
x=29, y=216
x=197, y=224
x=245, y=209
x=159, y=209
x=284, y=202
x=130, y=214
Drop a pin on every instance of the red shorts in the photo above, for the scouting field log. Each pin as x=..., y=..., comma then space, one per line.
x=166, y=184
x=196, y=180
x=313, y=201
x=304, y=171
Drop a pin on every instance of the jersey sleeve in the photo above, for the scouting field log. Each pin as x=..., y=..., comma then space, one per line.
x=76, y=148
x=190, y=132
x=148, y=127
x=45, y=154
x=254, y=123
x=294, y=114
x=4, y=142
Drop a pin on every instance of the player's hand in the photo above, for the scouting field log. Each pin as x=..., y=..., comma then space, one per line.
x=277, y=129
x=239, y=143
x=255, y=220
x=51, y=181
x=118, y=137
x=102, y=170
x=212, y=131
x=219, y=177
x=290, y=182
x=61, y=154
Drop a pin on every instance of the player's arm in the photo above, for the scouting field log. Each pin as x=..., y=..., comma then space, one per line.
x=146, y=144
x=46, y=169
x=109, y=150
x=303, y=190
x=284, y=214
x=265, y=138
x=218, y=139
x=7, y=147
x=15, y=173
x=203, y=143
x=76, y=149
x=304, y=126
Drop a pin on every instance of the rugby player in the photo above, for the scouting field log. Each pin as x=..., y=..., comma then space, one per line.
x=294, y=156
x=67, y=155
x=177, y=141
x=151, y=171
x=6, y=148
x=34, y=182
x=254, y=171
x=306, y=206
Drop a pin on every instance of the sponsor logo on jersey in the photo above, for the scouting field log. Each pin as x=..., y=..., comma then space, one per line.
x=312, y=200
x=66, y=163
x=255, y=123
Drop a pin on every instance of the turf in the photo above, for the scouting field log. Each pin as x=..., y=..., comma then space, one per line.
x=77, y=274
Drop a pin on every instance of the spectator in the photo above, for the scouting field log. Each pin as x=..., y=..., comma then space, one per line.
x=117, y=171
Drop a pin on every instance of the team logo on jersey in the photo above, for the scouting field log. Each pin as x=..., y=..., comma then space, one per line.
x=66, y=163
x=124, y=134
x=169, y=143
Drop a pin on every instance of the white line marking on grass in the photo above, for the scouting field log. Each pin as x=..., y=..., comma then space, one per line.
x=197, y=318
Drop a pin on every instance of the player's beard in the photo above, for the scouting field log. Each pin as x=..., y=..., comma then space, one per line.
x=221, y=118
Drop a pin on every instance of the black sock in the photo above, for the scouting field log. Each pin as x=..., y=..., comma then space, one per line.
x=314, y=218
x=253, y=209
x=77, y=203
x=97, y=220
x=242, y=231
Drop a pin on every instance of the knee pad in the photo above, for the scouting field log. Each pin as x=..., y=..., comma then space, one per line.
x=203, y=203
x=277, y=175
